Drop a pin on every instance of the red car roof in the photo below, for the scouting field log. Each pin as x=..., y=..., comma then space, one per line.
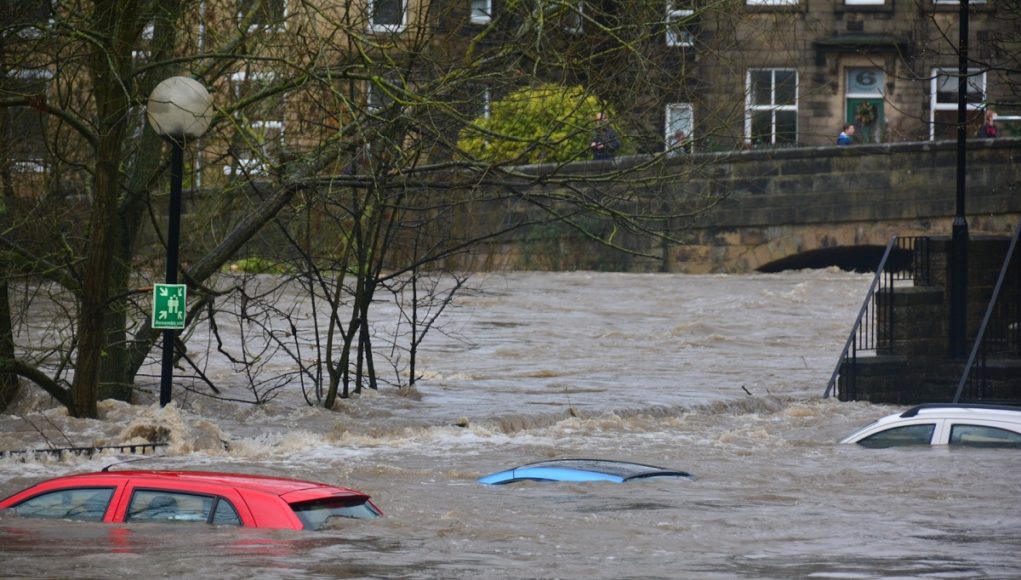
x=268, y=484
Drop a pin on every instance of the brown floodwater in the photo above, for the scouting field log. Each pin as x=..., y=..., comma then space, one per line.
x=720, y=376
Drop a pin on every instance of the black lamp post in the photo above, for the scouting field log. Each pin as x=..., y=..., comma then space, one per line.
x=959, y=242
x=179, y=109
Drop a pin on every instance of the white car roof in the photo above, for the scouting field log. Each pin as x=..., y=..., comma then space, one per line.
x=983, y=413
x=963, y=411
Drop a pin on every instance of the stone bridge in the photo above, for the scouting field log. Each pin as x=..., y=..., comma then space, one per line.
x=820, y=206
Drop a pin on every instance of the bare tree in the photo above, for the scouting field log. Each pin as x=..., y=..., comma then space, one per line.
x=351, y=115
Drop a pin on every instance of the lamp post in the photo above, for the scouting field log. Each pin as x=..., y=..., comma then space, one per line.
x=179, y=109
x=959, y=232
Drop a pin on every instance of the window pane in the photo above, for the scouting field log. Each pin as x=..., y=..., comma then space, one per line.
x=909, y=435
x=162, y=506
x=315, y=514
x=762, y=127
x=85, y=504
x=762, y=87
x=786, y=127
x=982, y=436
x=786, y=87
x=269, y=12
x=865, y=82
x=26, y=137
x=225, y=514
x=25, y=12
x=480, y=10
x=387, y=12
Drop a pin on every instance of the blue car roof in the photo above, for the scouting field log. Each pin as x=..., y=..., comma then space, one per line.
x=576, y=470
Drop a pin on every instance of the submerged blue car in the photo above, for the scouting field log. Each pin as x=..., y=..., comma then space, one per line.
x=577, y=470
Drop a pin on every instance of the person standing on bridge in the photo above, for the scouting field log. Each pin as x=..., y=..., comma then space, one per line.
x=988, y=128
x=605, y=143
x=846, y=136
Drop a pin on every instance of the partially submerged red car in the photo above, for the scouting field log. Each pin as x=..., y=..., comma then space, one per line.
x=231, y=499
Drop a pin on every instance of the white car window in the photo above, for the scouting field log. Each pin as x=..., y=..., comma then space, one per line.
x=908, y=435
x=983, y=436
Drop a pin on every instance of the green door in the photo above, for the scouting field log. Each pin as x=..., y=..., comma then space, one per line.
x=867, y=117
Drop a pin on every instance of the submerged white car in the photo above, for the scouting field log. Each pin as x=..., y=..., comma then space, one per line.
x=965, y=424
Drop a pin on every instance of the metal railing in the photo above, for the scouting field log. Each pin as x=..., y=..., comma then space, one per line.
x=998, y=333
x=905, y=258
x=134, y=448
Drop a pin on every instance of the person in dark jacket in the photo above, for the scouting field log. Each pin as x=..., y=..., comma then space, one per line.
x=605, y=143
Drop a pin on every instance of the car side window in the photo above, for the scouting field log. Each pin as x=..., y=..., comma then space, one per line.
x=161, y=506
x=85, y=504
x=225, y=514
x=897, y=436
x=983, y=436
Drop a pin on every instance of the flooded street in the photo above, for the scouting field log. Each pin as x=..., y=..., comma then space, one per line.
x=720, y=376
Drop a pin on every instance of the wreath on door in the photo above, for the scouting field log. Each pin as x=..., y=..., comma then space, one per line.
x=866, y=114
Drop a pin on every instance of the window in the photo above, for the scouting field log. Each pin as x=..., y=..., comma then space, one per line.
x=144, y=43
x=679, y=128
x=955, y=2
x=260, y=137
x=26, y=17
x=678, y=24
x=481, y=11
x=379, y=97
x=943, y=101
x=864, y=2
x=164, y=506
x=482, y=101
x=386, y=15
x=982, y=436
x=86, y=504
x=26, y=142
x=316, y=514
x=772, y=2
x=262, y=14
x=771, y=116
x=897, y=436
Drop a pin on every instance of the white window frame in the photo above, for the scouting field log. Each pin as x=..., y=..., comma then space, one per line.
x=772, y=107
x=673, y=13
x=772, y=2
x=254, y=165
x=263, y=27
x=388, y=27
x=38, y=74
x=934, y=82
x=864, y=2
x=674, y=115
x=481, y=11
x=954, y=2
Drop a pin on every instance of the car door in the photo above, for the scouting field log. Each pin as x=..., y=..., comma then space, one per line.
x=972, y=433
x=168, y=501
x=917, y=431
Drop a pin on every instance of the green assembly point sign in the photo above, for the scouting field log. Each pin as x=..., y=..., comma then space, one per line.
x=168, y=301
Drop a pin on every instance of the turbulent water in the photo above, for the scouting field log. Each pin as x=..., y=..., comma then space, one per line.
x=720, y=376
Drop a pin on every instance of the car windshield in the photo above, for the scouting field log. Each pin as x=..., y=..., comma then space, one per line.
x=315, y=514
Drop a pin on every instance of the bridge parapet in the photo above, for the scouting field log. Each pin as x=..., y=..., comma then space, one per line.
x=785, y=202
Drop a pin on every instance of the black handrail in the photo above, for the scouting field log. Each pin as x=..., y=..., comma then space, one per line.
x=1008, y=335
x=865, y=333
